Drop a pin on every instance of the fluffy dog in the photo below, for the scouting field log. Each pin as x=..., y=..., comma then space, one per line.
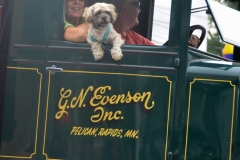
x=100, y=17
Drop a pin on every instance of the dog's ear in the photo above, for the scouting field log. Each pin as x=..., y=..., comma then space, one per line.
x=87, y=14
x=113, y=12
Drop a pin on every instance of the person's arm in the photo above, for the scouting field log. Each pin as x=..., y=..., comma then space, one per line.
x=76, y=34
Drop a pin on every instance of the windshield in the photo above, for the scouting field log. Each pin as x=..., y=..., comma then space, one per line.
x=227, y=26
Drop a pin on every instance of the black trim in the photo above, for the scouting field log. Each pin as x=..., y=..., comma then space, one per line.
x=69, y=48
x=236, y=50
x=159, y=53
x=30, y=46
x=150, y=19
x=28, y=61
x=198, y=8
x=115, y=66
x=5, y=30
x=196, y=51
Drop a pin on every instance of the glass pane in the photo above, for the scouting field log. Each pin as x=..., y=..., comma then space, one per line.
x=161, y=20
x=199, y=17
x=133, y=23
x=226, y=25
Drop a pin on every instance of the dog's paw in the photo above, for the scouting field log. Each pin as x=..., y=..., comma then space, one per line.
x=116, y=54
x=97, y=56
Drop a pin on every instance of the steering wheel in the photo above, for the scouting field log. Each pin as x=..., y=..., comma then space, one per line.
x=191, y=29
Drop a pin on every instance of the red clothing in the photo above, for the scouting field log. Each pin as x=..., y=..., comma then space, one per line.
x=135, y=38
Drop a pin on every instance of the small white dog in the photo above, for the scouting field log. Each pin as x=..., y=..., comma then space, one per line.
x=100, y=17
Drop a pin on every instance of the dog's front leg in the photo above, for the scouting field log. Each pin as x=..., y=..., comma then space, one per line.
x=116, y=51
x=97, y=50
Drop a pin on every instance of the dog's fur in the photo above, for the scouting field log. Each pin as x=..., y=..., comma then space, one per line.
x=99, y=16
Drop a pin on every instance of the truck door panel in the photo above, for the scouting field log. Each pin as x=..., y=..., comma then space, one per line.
x=20, y=138
x=89, y=113
x=22, y=112
x=120, y=126
x=211, y=110
x=142, y=70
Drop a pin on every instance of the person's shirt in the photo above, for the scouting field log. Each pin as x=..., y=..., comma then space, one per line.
x=136, y=39
x=67, y=24
x=75, y=33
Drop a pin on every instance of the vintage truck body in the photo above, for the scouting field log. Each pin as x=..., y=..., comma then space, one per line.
x=157, y=103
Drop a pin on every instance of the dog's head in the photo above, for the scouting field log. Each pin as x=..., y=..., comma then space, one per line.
x=100, y=14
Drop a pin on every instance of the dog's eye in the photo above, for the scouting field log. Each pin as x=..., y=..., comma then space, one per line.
x=98, y=12
x=107, y=12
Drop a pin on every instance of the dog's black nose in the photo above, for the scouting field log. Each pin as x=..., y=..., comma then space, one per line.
x=103, y=17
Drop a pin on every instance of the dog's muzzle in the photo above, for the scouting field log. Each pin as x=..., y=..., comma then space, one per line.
x=103, y=20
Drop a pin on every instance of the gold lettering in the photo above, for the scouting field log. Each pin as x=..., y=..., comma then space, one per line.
x=102, y=90
x=100, y=133
x=112, y=99
x=120, y=133
x=98, y=117
x=81, y=98
x=94, y=131
x=79, y=131
x=108, y=116
x=128, y=133
x=131, y=134
x=73, y=130
x=148, y=94
x=98, y=100
x=102, y=101
x=129, y=98
x=134, y=133
x=105, y=132
x=63, y=107
x=137, y=97
x=71, y=105
x=117, y=115
x=110, y=131
x=86, y=131
x=102, y=115
x=120, y=98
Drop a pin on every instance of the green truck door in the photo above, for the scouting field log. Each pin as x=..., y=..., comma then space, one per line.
x=106, y=109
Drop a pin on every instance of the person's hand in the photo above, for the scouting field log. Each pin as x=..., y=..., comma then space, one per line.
x=193, y=41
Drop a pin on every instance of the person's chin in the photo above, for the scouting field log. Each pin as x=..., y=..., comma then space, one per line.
x=77, y=16
x=136, y=23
